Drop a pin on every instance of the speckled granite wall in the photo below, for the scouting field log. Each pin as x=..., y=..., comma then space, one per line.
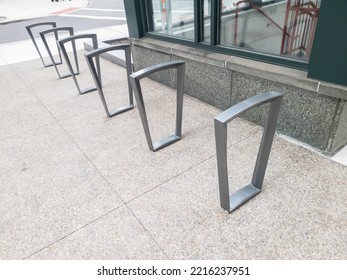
x=207, y=83
x=307, y=116
x=143, y=57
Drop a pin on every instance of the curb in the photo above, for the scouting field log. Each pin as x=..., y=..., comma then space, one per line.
x=116, y=57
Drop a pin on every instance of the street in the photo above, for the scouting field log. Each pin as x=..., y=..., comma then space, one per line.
x=101, y=9
x=98, y=13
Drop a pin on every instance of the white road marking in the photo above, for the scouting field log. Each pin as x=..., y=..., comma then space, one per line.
x=104, y=10
x=92, y=17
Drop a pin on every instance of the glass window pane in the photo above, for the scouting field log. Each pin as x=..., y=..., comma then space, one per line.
x=280, y=27
x=207, y=21
x=174, y=17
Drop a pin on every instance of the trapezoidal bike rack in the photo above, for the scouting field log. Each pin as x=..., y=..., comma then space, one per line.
x=135, y=81
x=56, y=31
x=30, y=32
x=73, y=39
x=97, y=77
x=231, y=203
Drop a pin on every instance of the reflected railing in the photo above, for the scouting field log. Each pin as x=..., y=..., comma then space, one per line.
x=298, y=28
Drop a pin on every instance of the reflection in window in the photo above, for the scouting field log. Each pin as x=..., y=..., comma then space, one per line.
x=174, y=17
x=207, y=21
x=280, y=27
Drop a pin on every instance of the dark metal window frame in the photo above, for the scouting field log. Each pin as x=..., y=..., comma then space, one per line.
x=328, y=57
x=147, y=25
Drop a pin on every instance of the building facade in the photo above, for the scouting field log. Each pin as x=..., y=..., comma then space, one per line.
x=237, y=49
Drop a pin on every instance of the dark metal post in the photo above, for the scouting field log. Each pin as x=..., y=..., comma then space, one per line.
x=215, y=22
x=134, y=18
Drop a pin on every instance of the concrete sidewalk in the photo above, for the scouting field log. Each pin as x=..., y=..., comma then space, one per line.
x=14, y=10
x=78, y=185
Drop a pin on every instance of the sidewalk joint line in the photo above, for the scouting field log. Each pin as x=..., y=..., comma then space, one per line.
x=76, y=230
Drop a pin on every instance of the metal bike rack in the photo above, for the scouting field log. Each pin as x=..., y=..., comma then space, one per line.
x=135, y=81
x=97, y=77
x=56, y=31
x=29, y=30
x=231, y=203
x=73, y=39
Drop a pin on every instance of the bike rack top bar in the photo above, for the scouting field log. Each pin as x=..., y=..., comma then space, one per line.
x=156, y=68
x=56, y=29
x=41, y=23
x=76, y=37
x=246, y=105
x=108, y=49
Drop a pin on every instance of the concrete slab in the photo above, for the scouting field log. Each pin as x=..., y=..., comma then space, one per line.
x=13, y=52
x=49, y=189
x=60, y=96
x=10, y=81
x=117, y=235
x=20, y=111
x=297, y=216
x=63, y=185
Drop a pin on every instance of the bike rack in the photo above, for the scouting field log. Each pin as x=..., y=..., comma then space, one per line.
x=56, y=30
x=73, y=39
x=29, y=27
x=135, y=81
x=231, y=203
x=97, y=77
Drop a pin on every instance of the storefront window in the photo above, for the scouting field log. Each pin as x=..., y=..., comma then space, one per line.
x=275, y=27
x=207, y=20
x=174, y=17
x=279, y=27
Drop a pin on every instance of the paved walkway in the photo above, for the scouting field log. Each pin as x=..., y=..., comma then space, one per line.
x=78, y=185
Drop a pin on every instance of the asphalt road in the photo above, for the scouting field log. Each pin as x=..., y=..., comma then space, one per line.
x=102, y=9
x=98, y=13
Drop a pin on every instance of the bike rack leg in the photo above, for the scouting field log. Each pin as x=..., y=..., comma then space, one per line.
x=29, y=30
x=135, y=81
x=56, y=30
x=73, y=39
x=231, y=203
x=97, y=76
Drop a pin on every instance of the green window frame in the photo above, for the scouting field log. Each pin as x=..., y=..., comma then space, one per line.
x=140, y=23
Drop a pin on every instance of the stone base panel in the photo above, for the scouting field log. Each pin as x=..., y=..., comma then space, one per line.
x=313, y=112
